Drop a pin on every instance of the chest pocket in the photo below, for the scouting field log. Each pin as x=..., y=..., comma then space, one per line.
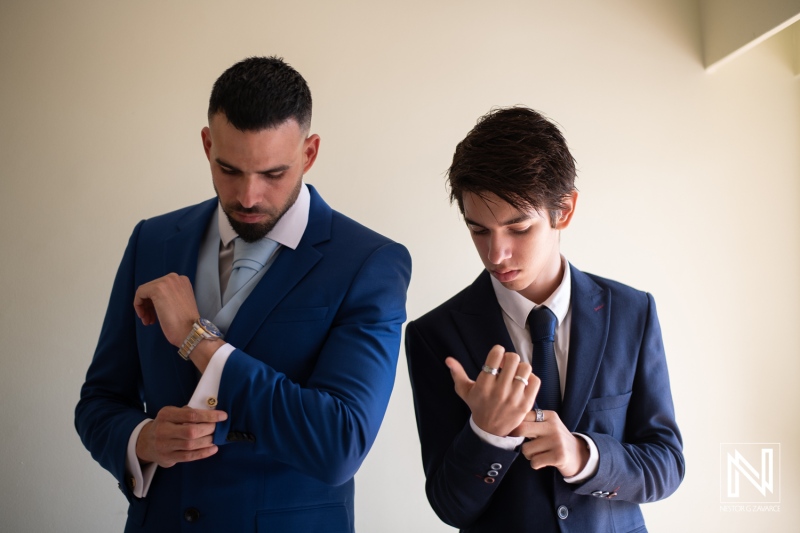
x=606, y=415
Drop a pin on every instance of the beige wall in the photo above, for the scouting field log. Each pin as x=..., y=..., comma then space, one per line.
x=690, y=189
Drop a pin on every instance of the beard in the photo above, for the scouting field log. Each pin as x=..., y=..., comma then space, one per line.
x=254, y=232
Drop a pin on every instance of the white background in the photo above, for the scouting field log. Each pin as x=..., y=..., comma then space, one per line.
x=689, y=182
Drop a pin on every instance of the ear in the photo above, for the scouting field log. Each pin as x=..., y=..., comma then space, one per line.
x=565, y=217
x=310, y=151
x=205, y=134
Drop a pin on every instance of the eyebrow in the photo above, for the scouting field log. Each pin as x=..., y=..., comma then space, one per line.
x=279, y=168
x=517, y=220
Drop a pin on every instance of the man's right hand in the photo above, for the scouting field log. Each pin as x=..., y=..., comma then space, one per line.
x=498, y=403
x=177, y=435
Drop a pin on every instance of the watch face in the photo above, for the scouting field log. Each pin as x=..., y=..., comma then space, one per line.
x=210, y=327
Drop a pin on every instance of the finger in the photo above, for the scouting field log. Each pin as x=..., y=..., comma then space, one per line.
x=495, y=357
x=521, y=374
x=188, y=415
x=462, y=382
x=509, y=364
x=533, y=387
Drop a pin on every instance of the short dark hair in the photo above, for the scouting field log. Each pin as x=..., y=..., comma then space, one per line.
x=260, y=93
x=520, y=156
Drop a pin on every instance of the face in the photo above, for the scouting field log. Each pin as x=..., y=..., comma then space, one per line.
x=519, y=248
x=257, y=174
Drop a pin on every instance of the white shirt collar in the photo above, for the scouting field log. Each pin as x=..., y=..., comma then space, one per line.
x=289, y=229
x=517, y=307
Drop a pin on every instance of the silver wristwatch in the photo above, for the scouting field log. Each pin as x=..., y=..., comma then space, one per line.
x=201, y=329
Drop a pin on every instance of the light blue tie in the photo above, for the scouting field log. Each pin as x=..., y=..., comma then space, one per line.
x=248, y=259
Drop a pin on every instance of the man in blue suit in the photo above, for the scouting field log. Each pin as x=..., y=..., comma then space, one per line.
x=534, y=332
x=250, y=344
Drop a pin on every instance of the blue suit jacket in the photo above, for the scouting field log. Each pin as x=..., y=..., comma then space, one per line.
x=305, y=390
x=617, y=392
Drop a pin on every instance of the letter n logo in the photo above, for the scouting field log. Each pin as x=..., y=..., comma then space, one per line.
x=750, y=472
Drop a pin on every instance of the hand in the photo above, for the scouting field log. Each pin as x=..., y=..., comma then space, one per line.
x=498, y=403
x=178, y=435
x=552, y=444
x=170, y=301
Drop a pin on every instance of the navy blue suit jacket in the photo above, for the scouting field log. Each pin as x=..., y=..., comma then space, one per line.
x=305, y=391
x=617, y=392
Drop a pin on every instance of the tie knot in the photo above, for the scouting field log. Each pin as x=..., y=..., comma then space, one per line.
x=252, y=255
x=542, y=323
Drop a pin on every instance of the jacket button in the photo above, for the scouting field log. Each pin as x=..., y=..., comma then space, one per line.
x=496, y=466
x=563, y=512
x=488, y=479
x=191, y=515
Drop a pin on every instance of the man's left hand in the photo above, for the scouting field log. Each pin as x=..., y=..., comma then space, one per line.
x=552, y=444
x=170, y=301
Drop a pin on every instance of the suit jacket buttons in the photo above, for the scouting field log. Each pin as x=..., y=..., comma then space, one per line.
x=563, y=512
x=191, y=515
x=603, y=494
x=488, y=479
x=496, y=466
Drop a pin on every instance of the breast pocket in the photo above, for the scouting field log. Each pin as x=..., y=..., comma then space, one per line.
x=606, y=415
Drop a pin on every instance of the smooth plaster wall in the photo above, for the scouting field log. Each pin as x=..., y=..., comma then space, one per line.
x=690, y=189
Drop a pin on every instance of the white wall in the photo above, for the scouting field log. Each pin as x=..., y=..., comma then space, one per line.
x=689, y=189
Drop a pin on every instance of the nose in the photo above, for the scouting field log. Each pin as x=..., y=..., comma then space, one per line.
x=499, y=249
x=250, y=192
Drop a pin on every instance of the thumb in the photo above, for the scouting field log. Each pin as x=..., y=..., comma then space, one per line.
x=462, y=382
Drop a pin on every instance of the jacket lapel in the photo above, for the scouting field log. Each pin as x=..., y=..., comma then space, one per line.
x=181, y=251
x=289, y=268
x=182, y=248
x=591, y=312
x=480, y=321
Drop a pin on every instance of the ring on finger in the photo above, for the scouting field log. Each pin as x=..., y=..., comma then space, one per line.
x=521, y=380
x=490, y=370
x=539, y=415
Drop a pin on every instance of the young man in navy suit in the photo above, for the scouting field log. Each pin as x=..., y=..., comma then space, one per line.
x=250, y=344
x=542, y=396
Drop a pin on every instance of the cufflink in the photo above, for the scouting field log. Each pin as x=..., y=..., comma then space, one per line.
x=211, y=402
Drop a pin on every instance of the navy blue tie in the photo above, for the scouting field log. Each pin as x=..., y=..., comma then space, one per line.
x=542, y=324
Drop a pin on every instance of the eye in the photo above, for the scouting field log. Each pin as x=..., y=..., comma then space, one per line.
x=228, y=171
x=521, y=231
x=477, y=230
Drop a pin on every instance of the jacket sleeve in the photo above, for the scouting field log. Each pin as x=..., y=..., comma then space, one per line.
x=111, y=405
x=462, y=471
x=325, y=427
x=647, y=463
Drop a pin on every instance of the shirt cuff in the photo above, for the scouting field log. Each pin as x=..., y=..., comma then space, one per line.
x=140, y=478
x=506, y=443
x=207, y=391
x=591, y=465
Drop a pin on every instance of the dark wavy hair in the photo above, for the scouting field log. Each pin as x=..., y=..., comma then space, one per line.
x=520, y=156
x=261, y=92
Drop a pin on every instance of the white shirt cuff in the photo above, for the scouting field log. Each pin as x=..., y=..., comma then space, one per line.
x=141, y=476
x=591, y=465
x=506, y=443
x=207, y=391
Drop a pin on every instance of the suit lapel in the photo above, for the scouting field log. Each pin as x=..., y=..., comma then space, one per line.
x=591, y=312
x=180, y=251
x=289, y=268
x=182, y=248
x=480, y=321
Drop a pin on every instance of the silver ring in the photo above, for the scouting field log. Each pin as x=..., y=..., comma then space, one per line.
x=539, y=415
x=490, y=370
x=523, y=380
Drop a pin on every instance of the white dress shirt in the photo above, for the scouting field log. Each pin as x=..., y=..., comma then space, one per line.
x=516, y=309
x=287, y=232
